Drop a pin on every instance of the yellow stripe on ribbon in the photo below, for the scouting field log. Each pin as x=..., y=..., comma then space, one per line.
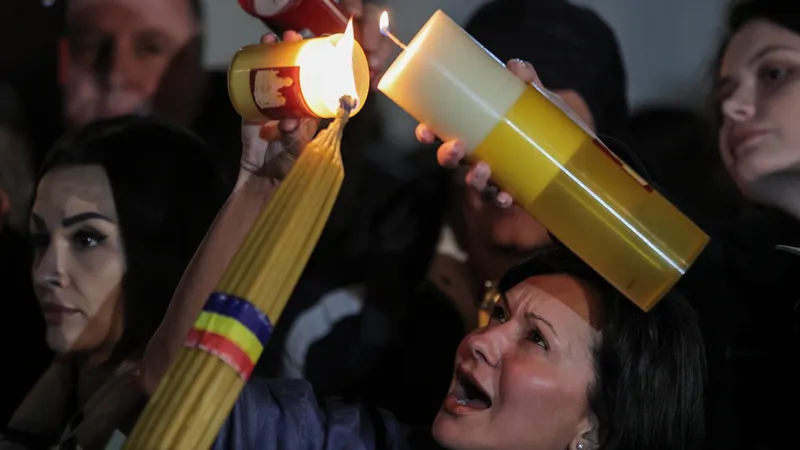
x=232, y=330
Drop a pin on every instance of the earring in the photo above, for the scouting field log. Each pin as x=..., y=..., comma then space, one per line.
x=580, y=446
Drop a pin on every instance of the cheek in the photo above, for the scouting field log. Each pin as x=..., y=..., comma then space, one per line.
x=80, y=83
x=543, y=394
x=98, y=275
x=787, y=112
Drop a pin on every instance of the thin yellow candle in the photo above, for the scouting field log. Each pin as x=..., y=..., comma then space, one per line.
x=293, y=79
x=202, y=385
x=554, y=166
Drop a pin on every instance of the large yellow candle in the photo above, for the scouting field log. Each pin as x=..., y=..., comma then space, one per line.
x=297, y=79
x=554, y=167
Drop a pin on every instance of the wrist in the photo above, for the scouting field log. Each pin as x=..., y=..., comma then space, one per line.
x=249, y=183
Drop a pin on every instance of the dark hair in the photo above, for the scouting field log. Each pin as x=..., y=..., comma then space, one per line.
x=780, y=12
x=650, y=367
x=166, y=190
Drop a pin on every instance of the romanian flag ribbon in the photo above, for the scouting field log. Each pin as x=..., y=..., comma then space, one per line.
x=232, y=329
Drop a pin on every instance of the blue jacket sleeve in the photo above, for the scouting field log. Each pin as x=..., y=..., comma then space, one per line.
x=284, y=415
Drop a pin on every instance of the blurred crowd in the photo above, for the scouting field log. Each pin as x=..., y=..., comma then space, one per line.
x=127, y=183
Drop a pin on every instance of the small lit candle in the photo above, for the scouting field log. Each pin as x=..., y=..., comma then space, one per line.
x=551, y=163
x=298, y=79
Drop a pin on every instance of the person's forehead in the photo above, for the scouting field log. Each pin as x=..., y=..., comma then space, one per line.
x=553, y=292
x=73, y=190
x=755, y=37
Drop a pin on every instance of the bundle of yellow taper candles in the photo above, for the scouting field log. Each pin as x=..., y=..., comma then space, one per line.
x=201, y=387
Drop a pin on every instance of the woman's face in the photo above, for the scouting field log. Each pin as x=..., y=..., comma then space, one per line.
x=759, y=97
x=79, y=260
x=523, y=380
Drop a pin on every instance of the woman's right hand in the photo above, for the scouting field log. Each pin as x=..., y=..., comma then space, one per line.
x=270, y=149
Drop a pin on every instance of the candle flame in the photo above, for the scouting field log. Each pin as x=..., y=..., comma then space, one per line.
x=384, y=23
x=341, y=79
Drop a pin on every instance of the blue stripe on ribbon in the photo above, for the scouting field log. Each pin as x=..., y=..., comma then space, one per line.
x=242, y=311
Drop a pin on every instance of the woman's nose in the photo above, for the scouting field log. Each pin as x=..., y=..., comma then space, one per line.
x=740, y=106
x=485, y=345
x=48, y=269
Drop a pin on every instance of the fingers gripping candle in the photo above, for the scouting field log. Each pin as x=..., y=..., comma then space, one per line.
x=553, y=166
x=296, y=79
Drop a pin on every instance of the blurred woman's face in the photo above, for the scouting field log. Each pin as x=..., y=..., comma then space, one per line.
x=119, y=53
x=523, y=380
x=759, y=97
x=79, y=259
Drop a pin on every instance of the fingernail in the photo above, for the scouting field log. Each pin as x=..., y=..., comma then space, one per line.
x=453, y=154
x=504, y=199
x=482, y=169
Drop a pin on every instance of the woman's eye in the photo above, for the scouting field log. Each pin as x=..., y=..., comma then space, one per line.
x=774, y=74
x=87, y=239
x=499, y=314
x=150, y=49
x=536, y=337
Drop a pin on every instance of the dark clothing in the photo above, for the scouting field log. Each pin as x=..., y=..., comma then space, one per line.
x=746, y=293
x=284, y=415
x=26, y=351
x=409, y=375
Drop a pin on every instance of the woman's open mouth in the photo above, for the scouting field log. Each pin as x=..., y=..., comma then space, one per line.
x=466, y=397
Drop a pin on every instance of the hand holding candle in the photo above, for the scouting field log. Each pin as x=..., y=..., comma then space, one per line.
x=543, y=156
x=451, y=153
x=269, y=149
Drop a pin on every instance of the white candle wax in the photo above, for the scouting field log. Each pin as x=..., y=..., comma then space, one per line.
x=447, y=80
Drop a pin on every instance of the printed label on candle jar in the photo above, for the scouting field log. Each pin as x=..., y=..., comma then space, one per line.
x=277, y=93
x=624, y=166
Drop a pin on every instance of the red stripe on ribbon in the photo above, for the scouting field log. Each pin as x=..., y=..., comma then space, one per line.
x=222, y=348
